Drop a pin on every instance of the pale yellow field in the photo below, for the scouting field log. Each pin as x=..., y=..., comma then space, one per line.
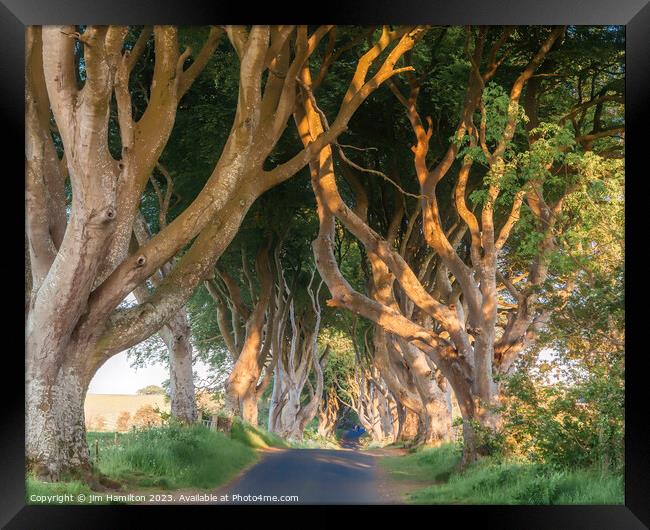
x=109, y=406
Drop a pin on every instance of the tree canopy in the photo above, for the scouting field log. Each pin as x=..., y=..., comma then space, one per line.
x=388, y=222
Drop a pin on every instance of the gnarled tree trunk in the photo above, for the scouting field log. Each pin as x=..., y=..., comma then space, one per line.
x=241, y=386
x=328, y=414
x=288, y=415
x=55, y=432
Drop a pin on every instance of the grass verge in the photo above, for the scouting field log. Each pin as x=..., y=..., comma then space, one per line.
x=174, y=457
x=493, y=482
x=254, y=437
x=68, y=492
x=167, y=458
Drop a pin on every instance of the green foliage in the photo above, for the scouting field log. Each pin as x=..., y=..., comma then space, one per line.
x=576, y=425
x=172, y=457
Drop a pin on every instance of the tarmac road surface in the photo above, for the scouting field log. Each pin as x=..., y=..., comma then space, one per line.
x=315, y=476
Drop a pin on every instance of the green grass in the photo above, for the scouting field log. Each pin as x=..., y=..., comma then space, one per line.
x=426, y=465
x=254, y=437
x=493, y=482
x=171, y=457
x=38, y=492
x=167, y=458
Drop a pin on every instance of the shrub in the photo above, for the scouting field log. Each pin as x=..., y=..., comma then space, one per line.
x=146, y=417
x=123, y=421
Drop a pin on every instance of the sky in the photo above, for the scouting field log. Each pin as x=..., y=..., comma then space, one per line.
x=117, y=376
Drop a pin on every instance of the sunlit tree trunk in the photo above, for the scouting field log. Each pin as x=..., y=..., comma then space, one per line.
x=328, y=414
x=241, y=385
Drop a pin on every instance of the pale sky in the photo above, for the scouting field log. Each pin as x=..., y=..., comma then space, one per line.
x=116, y=376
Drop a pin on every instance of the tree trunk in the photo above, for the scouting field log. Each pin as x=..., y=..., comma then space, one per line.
x=288, y=417
x=241, y=386
x=408, y=430
x=328, y=415
x=183, y=400
x=241, y=399
x=436, y=422
x=435, y=416
x=249, y=410
x=55, y=432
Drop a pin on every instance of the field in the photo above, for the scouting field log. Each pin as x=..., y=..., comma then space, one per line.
x=108, y=407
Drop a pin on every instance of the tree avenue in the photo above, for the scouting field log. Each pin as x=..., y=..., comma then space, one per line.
x=81, y=265
x=381, y=226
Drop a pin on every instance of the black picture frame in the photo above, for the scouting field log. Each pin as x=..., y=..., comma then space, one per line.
x=634, y=14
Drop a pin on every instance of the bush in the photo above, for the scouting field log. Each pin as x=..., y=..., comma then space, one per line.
x=145, y=417
x=123, y=421
x=569, y=426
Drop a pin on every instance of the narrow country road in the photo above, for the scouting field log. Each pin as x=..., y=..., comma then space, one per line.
x=315, y=476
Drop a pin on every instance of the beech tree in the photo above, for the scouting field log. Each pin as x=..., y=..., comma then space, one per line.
x=328, y=414
x=375, y=406
x=176, y=333
x=251, y=333
x=457, y=325
x=288, y=415
x=411, y=381
x=81, y=263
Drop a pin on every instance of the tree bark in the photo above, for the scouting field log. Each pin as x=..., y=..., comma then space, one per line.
x=288, y=416
x=81, y=270
x=328, y=414
x=241, y=386
x=55, y=432
x=176, y=335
